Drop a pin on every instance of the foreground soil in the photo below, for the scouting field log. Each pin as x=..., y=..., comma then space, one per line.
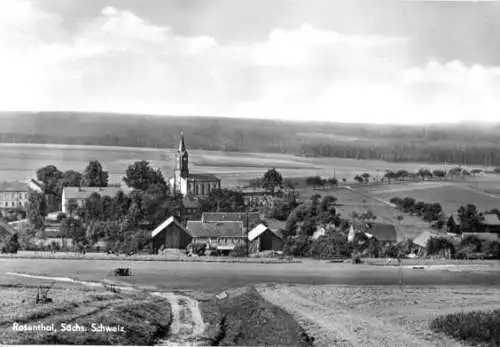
x=376, y=316
x=243, y=318
x=139, y=319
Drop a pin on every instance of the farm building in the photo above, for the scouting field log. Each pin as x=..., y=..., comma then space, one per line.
x=384, y=233
x=190, y=206
x=261, y=238
x=249, y=220
x=170, y=234
x=223, y=236
x=489, y=224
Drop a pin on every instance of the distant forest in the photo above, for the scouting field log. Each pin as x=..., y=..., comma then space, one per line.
x=470, y=144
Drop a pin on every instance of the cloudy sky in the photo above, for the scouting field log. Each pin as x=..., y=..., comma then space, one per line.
x=341, y=60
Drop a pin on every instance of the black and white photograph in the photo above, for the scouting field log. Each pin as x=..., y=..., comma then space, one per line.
x=250, y=173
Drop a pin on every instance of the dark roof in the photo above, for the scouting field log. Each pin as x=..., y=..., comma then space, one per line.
x=383, y=232
x=203, y=177
x=86, y=192
x=219, y=229
x=253, y=217
x=14, y=187
x=275, y=224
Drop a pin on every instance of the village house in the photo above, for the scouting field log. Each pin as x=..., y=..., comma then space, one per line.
x=384, y=233
x=185, y=182
x=81, y=194
x=223, y=236
x=489, y=223
x=13, y=195
x=249, y=219
x=170, y=234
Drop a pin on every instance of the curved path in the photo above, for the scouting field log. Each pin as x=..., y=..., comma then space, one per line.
x=187, y=327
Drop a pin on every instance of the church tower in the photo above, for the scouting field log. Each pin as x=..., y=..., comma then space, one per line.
x=182, y=159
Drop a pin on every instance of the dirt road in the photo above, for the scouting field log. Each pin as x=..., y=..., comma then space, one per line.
x=375, y=316
x=187, y=326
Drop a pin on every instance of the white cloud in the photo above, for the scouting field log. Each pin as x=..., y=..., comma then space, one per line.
x=122, y=63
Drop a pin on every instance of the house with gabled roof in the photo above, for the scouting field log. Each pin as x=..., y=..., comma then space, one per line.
x=224, y=236
x=262, y=238
x=249, y=219
x=384, y=233
x=170, y=234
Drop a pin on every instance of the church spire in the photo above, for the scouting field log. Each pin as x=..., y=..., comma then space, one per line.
x=182, y=146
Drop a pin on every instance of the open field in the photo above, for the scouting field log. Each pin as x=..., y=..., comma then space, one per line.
x=215, y=277
x=359, y=201
x=377, y=316
x=451, y=195
x=20, y=161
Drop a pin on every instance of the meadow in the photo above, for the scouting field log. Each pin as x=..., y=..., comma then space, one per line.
x=451, y=195
x=20, y=161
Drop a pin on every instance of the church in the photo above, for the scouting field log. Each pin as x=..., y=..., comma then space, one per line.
x=187, y=183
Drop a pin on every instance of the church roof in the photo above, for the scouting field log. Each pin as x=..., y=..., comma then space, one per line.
x=203, y=177
x=182, y=145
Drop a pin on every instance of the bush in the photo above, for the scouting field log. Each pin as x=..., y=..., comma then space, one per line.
x=330, y=246
x=471, y=242
x=11, y=245
x=197, y=248
x=299, y=246
x=391, y=251
x=491, y=249
x=239, y=251
x=473, y=327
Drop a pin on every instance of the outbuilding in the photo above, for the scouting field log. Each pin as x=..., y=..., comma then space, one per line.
x=261, y=238
x=170, y=234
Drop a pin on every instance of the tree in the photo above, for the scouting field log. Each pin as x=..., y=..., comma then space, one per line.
x=366, y=177
x=439, y=173
x=140, y=176
x=71, y=206
x=49, y=175
x=94, y=175
x=401, y=174
x=469, y=218
x=333, y=181
x=223, y=199
x=315, y=181
x=36, y=209
x=390, y=175
x=496, y=170
x=288, y=183
x=359, y=179
x=71, y=178
x=272, y=179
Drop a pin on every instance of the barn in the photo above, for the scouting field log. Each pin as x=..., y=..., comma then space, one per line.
x=170, y=234
x=261, y=238
x=223, y=236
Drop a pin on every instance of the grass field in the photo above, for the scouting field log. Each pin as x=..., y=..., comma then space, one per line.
x=22, y=160
x=451, y=195
x=377, y=316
